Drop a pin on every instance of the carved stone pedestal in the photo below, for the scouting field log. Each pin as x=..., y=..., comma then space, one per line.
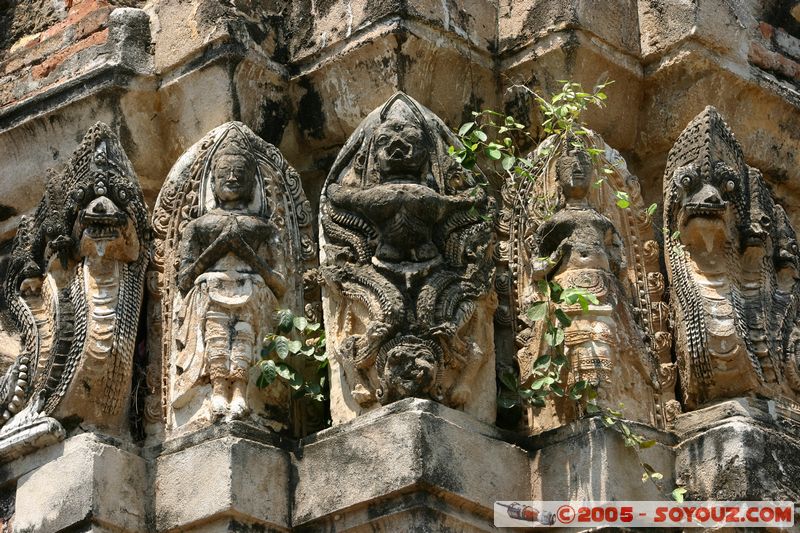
x=742, y=449
x=232, y=477
x=587, y=461
x=409, y=466
x=85, y=483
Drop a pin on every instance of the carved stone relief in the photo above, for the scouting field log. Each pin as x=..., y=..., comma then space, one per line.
x=566, y=228
x=233, y=238
x=407, y=268
x=74, y=289
x=732, y=261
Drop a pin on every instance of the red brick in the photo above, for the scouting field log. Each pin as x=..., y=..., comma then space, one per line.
x=773, y=62
x=49, y=65
x=75, y=14
x=766, y=30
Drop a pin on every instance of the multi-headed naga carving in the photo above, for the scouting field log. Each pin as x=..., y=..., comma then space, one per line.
x=733, y=268
x=233, y=236
x=561, y=227
x=407, y=267
x=74, y=289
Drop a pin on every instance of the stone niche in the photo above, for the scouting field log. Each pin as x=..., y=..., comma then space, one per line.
x=406, y=262
x=565, y=227
x=73, y=291
x=233, y=240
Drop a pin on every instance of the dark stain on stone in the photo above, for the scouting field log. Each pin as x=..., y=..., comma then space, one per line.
x=403, y=61
x=310, y=116
x=6, y=212
x=779, y=15
x=239, y=527
x=274, y=118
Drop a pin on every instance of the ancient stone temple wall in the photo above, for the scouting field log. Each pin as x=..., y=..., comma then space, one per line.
x=191, y=188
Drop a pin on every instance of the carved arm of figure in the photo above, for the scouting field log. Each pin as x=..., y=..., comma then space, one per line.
x=189, y=252
x=274, y=280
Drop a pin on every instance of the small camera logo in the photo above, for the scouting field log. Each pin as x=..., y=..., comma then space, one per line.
x=517, y=511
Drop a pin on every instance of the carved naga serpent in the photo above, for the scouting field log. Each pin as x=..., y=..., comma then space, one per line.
x=74, y=290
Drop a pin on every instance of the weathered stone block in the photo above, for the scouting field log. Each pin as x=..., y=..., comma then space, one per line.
x=93, y=485
x=588, y=461
x=743, y=449
x=414, y=455
x=220, y=480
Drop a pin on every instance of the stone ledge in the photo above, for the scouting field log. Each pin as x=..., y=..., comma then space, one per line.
x=380, y=455
x=98, y=486
x=221, y=479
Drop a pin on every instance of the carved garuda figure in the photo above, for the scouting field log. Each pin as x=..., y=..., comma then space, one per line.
x=74, y=289
x=733, y=269
x=233, y=237
x=407, y=268
x=564, y=227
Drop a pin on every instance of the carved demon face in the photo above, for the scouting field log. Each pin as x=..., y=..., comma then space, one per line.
x=234, y=178
x=400, y=151
x=106, y=231
x=410, y=370
x=708, y=194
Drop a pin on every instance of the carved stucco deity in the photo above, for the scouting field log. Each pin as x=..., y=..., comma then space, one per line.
x=407, y=266
x=733, y=268
x=563, y=228
x=230, y=244
x=74, y=290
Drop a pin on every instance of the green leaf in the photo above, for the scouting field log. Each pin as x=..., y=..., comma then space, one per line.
x=509, y=379
x=493, y=153
x=563, y=318
x=282, y=346
x=652, y=209
x=507, y=402
x=539, y=383
x=592, y=408
x=554, y=337
x=313, y=326
x=268, y=373
x=537, y=311
x=542, y=361
x=647, y=444
x=464, y=129
x=295, y=346
x=307, y=351
x=285, y=320
x=678, y=493
x=557, y=390
x=289, y=374
x=479, y=135
x=300, y=323
x=508, y=162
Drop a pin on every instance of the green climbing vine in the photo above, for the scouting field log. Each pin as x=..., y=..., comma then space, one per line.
x=496, y=140
x=295, y=353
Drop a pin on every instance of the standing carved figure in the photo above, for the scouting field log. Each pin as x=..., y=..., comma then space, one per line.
x=732, y=264
x=566, y=231
x=229, y=260
x=407, y=268
x=74, y=289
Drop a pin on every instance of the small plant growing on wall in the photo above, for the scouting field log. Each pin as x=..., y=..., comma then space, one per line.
x=295, y=354
x=495, y=140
